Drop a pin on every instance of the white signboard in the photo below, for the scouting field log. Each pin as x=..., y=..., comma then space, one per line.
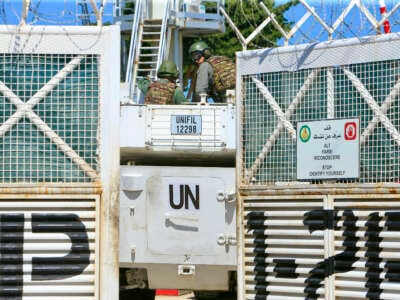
x=328, y=149
x=186, y=124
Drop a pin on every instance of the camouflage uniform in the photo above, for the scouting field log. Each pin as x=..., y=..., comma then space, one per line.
x=161, y=91
x=215, y=74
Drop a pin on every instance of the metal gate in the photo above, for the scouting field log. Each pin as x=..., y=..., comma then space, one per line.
x=58, y=162
x=319, y=239
x=49, y=246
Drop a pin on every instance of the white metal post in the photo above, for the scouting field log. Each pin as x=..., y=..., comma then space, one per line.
x=109, y=208
x=25, y=9
x=386, y=24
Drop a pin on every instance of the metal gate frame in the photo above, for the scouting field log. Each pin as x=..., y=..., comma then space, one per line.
x=256, y=192
x=304, y=57
x=104, y=186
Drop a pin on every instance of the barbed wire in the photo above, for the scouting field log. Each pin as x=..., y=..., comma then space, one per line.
x=64, y=13
x=40, y=15
x=7, y=6
x=356, y=24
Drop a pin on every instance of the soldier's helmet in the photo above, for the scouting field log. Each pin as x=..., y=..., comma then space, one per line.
x=199, y=48
x=168, y=69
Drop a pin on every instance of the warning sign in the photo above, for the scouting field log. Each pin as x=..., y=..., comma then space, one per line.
x=328, y=149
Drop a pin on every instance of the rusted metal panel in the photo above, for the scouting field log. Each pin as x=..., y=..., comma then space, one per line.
x=321, y=189
x=36, y=190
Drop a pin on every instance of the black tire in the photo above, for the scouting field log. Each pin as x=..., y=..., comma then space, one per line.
x=200, y=295
x=137, y=294
x=213, y=295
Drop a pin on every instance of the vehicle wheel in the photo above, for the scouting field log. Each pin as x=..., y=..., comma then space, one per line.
x=137, y=294
x=204, y=295
x=200, y=295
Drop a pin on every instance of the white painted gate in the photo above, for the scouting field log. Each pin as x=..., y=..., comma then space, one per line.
x=319, y=239
x=49, y=246
x=58, y=162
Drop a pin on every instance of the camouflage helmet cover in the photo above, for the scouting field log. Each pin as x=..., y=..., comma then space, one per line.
x=168, y=69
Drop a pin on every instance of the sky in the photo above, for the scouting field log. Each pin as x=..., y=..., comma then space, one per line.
x=48, y=12
x=64, y=12
x=354, y=25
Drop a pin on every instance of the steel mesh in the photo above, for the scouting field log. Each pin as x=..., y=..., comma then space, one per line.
x=32, y=152
x=269, y=148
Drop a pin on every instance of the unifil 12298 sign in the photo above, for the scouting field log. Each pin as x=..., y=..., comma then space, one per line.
x=328, y=149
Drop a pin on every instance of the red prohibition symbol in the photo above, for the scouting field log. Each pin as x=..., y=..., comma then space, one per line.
x=350, y=131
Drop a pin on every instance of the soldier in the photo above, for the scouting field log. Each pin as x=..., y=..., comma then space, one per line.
x=203, y=81
x=215, y=74
x=165, y=90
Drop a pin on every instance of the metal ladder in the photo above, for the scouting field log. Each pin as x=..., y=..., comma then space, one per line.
x=147, y=56
x=148, y=48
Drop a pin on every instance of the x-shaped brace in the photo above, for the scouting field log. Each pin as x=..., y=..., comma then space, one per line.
x=283, y=119
x=25, y=109
x=379, y=112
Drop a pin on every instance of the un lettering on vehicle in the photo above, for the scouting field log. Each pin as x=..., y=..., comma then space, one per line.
x=184, y=196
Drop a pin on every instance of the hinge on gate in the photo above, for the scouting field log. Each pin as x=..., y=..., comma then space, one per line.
x=225, y=239
x=226, y=196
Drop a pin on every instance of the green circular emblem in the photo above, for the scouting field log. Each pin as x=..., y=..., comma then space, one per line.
x=305, y=133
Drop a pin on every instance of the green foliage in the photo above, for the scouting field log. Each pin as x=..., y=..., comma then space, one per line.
x=247, y=16
x=129, y=8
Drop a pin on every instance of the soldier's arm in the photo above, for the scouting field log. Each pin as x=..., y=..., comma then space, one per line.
x=179, y=97
x=143, y=84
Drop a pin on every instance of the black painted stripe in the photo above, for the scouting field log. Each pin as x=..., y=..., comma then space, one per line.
x=61, y=226
x=13, y=274
x=49, y=268
x=373, y=279
x=257, y=219
x=392, y=224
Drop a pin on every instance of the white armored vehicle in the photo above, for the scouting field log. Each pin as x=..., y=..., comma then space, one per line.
x=177, y=204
